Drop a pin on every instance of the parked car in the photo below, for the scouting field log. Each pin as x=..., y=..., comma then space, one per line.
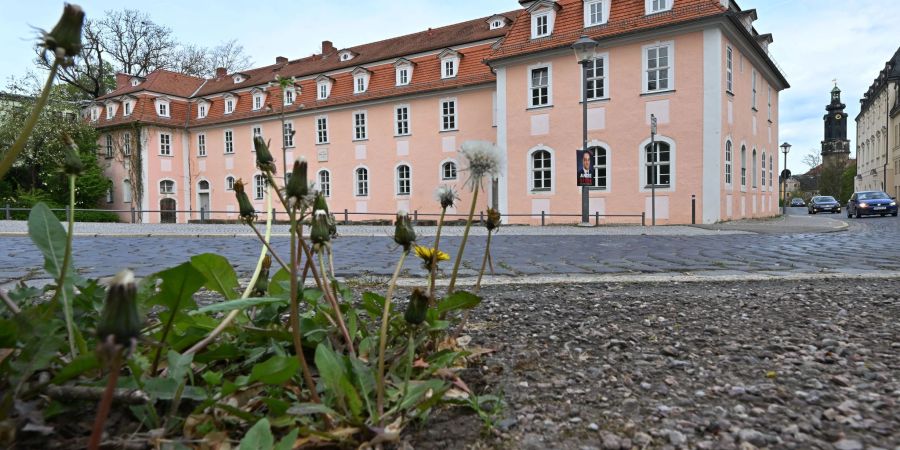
x=823, y=203
x=797, y=201
x=871, y=203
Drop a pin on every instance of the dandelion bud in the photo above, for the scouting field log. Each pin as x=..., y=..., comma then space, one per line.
x=262, y=282
x=320, y=233
x=264, y=157
x=72, y=164
x=298, y=185
x=65, y=38
x=119, y=320
x=493, y=219
x=404, y=234
x=417, y=309
x=320, y=202
x=446, y=195
x=247, y=211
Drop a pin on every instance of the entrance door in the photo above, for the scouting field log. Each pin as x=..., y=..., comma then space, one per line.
x=167, y=210
x=204, y=206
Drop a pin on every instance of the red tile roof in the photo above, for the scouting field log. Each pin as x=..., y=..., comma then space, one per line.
x=162, y=82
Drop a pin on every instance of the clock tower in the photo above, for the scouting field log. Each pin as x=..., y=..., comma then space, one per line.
x=835, y=147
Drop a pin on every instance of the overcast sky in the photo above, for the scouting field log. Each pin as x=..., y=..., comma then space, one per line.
x=815, y=40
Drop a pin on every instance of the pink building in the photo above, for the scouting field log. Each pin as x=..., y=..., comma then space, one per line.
x=381, y=123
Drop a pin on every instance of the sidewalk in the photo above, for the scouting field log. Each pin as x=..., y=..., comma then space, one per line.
x=789, y=224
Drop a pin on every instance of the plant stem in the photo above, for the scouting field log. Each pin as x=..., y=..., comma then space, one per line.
x=484, y=260
x=295, y=308
x=9, y=303
x=269, y=247
x=60, y=283
x=335, y=305
x=106, y=401
x=411, y=360
x=30, y=123
x=434, y=256
x=382, y=341
x=462, y=245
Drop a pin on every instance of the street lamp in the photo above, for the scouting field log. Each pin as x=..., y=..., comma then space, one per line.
x=585, y=51
x=785, y=148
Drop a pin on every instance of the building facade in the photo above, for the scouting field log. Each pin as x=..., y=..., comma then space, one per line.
x=878, y=132
x=381, y=123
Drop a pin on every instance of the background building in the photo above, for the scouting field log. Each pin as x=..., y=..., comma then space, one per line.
x=878, y=132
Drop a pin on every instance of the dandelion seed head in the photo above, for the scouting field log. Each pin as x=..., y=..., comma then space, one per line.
x=483, y=159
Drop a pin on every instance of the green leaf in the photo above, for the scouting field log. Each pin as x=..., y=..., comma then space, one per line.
x=417, y=391
x=334, y=375
x=287, y=443
x=458, y=300
x=212, y=378
x=78, y=366
x=278, y=282
x=308, y=409
x=167, y=388
x=49, y=237
x=276, y=370
x=179, y=365
x=178, y=287
x=259, y=437
x=219, y=273
x=243, y=303
x=373, y=304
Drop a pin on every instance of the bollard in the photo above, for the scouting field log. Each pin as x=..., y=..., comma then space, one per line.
x=202, y=214
x=416, y=217
x=8, y=216
x=346, y=217
x=273, y=215
x=597, y=218
x=480, y=216
x=542, y=218
x=132, y=214
x=644, y=218
x=693, y=209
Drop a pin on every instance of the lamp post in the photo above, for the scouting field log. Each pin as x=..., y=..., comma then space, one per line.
x=785, y=148
x=585, y=50
x=653, y=170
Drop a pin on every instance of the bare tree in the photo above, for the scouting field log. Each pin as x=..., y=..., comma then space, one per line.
x=202, y=61
x=136, y=44
x=812, y=159
x=231, y=56
x=192, y=60
x=93, y=73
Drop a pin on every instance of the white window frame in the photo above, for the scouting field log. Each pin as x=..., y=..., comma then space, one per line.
x=324, y=186
x=770, y=103
x=165, y=148
x=743, y=167
x=287, y=134
x=259, y=190
x=162, y=108
x=202, y=110
x=539, y=30
x=601, y=6
x=729, y=162
x=645, y=72
x=645, y=164
x=290, y=95
x=762, y=178
x=403, y=74
x=109, y=146
x=110, y=198
x=753, y=88
x=449, y=67
x=201, y=145
x=360, y=125
x=168, y=181
x=228, y=141
x=605, y=77
x=253, y=135
x=443, y=170
x=531, y=87
x=126, y=108
x=657, y=6
x=321, y=132
x=323, y=89
x=454, y=116
x=595, y=173
x=126, y=144
x=400, y=182
x=361, y=187
x=229, y=183
x=360, y=83
x=110, y=111
x=95, y=113
x=532, y=171
x=127, y=193
x=771, y=170
x=402, y=123
x=259, y=100
x=230, y=104
x=729, y=69
x=754, y=169
x=497, y=23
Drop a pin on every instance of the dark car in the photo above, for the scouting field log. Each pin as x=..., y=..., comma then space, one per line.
x=797, y=201
x=823, y=203
x=871, y=203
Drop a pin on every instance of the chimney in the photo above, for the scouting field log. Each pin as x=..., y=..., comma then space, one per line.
x=328, y=48
x=221, y=72
x=281, y=60
x=122, y=80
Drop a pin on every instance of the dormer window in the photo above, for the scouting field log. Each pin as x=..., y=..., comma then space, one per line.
x=323, y=87
x=289, y=96
x=404, y=71
x=259, y=99
x=162, y=107
x=497, y=21
x=110, y=111
x=229, y=104
x=202, y=110
x=361, y=80
x=543, y=17
x=497, y=24
x=345, y=55
x=449, y=63
x=656, y=6
x=135, y=81
x=596, y=12
x=239, y=79
x=95, y=113
x=126, y=108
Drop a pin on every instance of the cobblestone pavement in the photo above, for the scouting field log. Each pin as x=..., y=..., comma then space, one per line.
x=868, y=245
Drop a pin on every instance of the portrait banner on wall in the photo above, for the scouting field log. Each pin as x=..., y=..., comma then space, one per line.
x=585, y=167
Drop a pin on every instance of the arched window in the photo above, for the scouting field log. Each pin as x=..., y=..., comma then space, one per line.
x=259, y=186
x=727, y=162
x=541, y=171
x=404, y=180
x=661, y=174
x=126, y=191
x=743, y=166
x=762, y=174
x=229, y=183
x=203, y=185
x=166, y=187
x=362, y=182
x=753, y=172
x=448, y=170
x=325, y=182
x=600, y=166
x=771, y=169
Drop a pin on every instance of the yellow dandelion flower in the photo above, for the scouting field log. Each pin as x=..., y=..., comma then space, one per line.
x=427, y=255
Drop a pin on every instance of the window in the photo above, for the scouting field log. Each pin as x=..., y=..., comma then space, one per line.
x=229, y=141
x=770, y=104
x=595, y=12
x=288, y=134
x=109, y=196
x=743, y=167
x=539, y=87
x=323, y=87
x=655, y=6
x=448, y=170
x=126, y=191
x=110, y=112
x=289, y=96
x=600, y=166
x=541, y=25
x=753, y=172
x=109, y=146
x=728, y=162
x=362, y=182
x=596, y=78
x=201, y=145
x=403, y=75
x=360, y=81
x=402, y=123
x=729, y=69
x=229, y=183
x=95, y=114
x=165, y=144
x=166, y=187
x=325, y=182
x=127, y=108
x=360, y=131
x=257, y=102
x=771, y=169
x=162, y=108
x=659, y=74
x=255, y=131
x=259, y=186
x=448, y=115
x=403, y=180
x=203, y=185
x=753, y=89
x=661, y=174
x=229, y=105
x=541, y=170
x=126, y=144
x=201, y=111
x=449, y=67
x=322, y=130
x=497, y=23
x=345, y=55
x=762, y=177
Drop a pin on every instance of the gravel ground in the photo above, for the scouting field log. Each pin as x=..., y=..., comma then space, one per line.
x=756, y=364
